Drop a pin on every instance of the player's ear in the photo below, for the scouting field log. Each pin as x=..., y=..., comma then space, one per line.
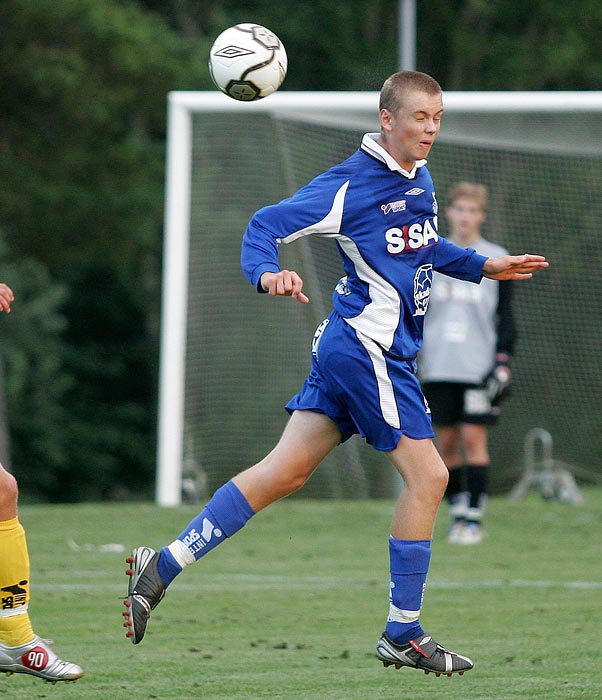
x=386, y=119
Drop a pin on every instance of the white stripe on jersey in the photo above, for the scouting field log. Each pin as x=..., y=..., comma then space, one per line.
x=331, y=223
x=379, y=319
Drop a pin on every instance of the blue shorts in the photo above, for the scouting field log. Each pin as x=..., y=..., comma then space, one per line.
x=363, y=389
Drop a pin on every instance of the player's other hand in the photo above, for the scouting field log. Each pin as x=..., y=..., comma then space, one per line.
x=499, y=379
x=286, y=283
x=514, y=267
x=6, y=297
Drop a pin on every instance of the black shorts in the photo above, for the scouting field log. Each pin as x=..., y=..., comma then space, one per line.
x=453, y=403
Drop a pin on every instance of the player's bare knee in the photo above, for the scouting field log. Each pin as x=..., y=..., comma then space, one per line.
x=438, y=482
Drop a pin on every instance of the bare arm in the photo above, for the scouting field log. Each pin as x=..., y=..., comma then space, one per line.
x=284, y=283
x=514, y=267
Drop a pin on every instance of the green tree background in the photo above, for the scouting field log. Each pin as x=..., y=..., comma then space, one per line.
x=83, y=88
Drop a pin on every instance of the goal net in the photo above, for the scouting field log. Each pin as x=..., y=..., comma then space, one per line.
x=230, y=358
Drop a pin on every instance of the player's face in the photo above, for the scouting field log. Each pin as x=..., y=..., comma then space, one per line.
x=409, y=133
x=465, y=218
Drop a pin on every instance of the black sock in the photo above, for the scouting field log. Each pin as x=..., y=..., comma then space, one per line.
x=477, y=482
x=455, y=485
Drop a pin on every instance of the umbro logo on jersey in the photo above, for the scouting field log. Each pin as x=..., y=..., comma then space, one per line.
x=414, y=191
x=393, y=206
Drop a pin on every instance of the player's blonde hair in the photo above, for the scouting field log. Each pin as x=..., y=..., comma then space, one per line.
x=396, y=85
x=471, y=190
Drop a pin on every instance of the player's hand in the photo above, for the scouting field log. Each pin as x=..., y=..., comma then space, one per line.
x=6, y=297
x=286, y=283
x=514, y=267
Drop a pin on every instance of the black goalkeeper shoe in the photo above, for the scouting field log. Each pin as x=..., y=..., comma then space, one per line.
x=145, y=591
x=423, y=653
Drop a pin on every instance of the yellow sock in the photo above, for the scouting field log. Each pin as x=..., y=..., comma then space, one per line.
x=15, y=626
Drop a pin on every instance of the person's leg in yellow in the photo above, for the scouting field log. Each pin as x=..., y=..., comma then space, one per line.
x=15, y=625
x=21, y=650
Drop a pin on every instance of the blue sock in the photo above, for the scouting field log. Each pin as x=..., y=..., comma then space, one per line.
x=223, y=516
x=410, y=561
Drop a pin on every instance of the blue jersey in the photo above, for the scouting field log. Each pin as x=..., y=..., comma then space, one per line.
x=384, y=221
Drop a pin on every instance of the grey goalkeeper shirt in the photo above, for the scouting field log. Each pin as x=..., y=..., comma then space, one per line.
x=461, y=326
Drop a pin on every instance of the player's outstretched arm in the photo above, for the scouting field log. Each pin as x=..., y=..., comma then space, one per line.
x=6, y=297
x=285, y=283
x=514, y=267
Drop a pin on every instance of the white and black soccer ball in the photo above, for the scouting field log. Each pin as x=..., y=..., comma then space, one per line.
x=248, y=62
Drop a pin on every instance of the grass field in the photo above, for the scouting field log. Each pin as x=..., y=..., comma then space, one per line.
x=292, y=606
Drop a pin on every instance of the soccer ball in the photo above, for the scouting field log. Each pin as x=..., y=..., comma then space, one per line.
x=247, y=62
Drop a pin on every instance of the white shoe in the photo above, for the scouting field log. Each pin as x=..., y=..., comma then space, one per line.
x=472, y=533
x=37, y=659
x=456, y=532
x=458, y=506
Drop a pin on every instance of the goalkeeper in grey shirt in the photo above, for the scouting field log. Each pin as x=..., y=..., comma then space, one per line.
x=469, y=335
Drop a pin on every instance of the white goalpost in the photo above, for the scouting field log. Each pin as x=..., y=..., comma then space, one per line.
x=225, y=159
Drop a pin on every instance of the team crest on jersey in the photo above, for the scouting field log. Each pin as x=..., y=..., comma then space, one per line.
x=342, y=287
x=393, y=206
x=423, y=280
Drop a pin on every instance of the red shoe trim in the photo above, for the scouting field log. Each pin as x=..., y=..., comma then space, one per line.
x=418, y=648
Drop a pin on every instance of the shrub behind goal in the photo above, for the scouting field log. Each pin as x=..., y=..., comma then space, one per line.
x=230, y=359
